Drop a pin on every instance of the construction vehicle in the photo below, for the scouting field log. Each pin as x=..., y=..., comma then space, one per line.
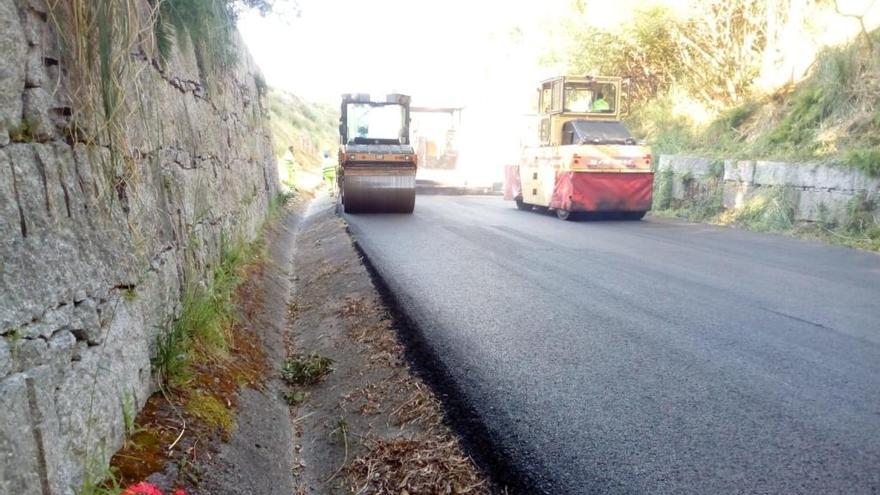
x=586, y=160
x=377, y=165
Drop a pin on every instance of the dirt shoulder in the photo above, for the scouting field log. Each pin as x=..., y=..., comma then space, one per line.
x=370, y=425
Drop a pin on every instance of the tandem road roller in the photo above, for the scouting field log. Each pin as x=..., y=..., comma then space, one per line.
x=377, y=165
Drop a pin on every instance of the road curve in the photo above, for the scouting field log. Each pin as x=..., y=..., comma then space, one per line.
x=646, y=357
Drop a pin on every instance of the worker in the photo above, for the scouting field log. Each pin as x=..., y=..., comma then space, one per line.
x=328, y=169
x=599, y=104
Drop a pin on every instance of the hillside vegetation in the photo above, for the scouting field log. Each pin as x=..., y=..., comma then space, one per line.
x=301, y=131
x=778, y=79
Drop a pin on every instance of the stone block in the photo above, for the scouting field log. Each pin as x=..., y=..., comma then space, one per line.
x=19, y=461
x=739, y=171
x=5, y=359
x=29, y=353
x=10, y=221
x=61, y=348
x=53, y=319
x=60, y=466
x=734, y=194
x=86, y=324
x=34, y=73
x=12, y=68
x=37, y=103
x=813, y=175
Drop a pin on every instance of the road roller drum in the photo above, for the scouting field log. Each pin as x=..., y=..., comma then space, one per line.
x=372, y=190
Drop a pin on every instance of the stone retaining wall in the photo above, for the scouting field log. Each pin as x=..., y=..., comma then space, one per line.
x=818, y=192
x=94, y=251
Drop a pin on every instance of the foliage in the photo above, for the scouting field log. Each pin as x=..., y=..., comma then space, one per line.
x=206, y=317
x=211, y=411
x=867, y=160
x=306, y=369
x=305, y=126
x=643, y=51
x=830, y=116
x=770, y=211
x=663, y=189
x=713, y=54
x=692, y=79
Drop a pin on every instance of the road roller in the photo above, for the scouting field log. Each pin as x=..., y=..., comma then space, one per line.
x=586, y=160
x=377, y=164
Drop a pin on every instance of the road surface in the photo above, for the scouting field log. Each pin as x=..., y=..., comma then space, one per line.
x=646, y=357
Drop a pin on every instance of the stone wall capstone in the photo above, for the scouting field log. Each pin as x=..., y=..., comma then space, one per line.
x=92, y=266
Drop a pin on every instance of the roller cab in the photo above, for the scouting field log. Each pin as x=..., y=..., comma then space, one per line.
x=377, y=164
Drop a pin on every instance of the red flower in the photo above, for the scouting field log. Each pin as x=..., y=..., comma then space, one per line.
x=142, y=488
x=179, y=492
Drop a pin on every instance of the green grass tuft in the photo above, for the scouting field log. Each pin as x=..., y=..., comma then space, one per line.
x=207, y=315
x=866, y=160
x=306, y=369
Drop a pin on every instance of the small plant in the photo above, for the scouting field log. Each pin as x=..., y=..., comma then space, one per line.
x=306, y=369
x=859, y=213
x=98, y=479
x=341, y=428
x=824, y=218
x=129, y=294
x=24, y=133
x=770, y=211
x=211, y=411
x=663, y=189
x=866, y=160
x=295, y=398
x=687, y=177
x=716, y=169
x=129, y=413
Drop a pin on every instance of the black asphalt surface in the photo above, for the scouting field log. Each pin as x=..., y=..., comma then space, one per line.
x=646, y=357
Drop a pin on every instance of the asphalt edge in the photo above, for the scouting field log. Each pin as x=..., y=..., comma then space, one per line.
x=458, y=414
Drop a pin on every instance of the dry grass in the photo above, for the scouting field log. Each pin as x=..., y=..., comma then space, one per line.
x=353, y=306
x=424, y=464
x=420, y=407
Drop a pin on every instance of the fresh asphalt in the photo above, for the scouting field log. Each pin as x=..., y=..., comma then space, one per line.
x=645, y=357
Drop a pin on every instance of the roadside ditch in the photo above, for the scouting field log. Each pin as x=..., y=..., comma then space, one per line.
x=317, y=394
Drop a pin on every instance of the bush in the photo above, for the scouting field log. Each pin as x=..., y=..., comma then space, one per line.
x=866, y=160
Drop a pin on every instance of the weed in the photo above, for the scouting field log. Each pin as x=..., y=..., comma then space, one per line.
x=860, y=214
x=295, y=398
x=208, y=25
x=277, y=204
x=207, y=315
x=824, y=216
x=687, y=177
x=716, y=170
x=211, y=411
x=770, y=211
x=129, y=413
x=341, y=428
x=129, y=294
x=663, y=189
x=306, y=369
x=98, y=479
x=13, y=337
x=24, y=133
x=866, y=160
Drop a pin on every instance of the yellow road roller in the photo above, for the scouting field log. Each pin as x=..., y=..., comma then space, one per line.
x=377, y=165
